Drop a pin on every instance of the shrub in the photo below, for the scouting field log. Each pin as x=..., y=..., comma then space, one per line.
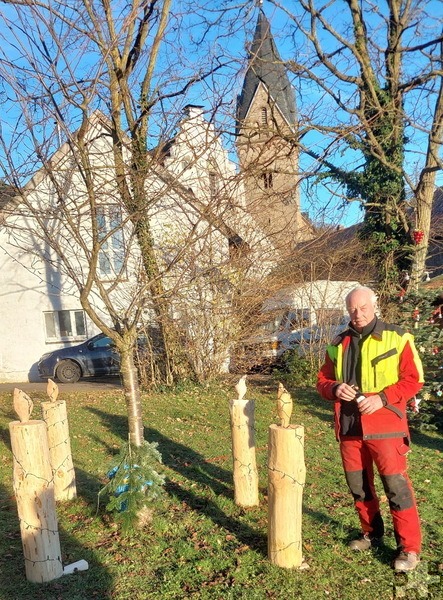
x=299, y=369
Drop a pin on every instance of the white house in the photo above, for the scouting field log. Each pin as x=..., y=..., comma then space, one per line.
x=197, y=220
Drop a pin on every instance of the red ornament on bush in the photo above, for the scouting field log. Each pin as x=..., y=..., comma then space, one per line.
x=418, y=236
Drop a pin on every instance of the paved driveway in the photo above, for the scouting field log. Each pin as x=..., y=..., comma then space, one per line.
x=96, y=383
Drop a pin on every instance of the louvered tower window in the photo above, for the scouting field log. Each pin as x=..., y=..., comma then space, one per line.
x=264, y=116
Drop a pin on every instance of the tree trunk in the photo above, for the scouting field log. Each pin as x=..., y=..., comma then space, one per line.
x=131, y=388
x=423, y=223
x=425, y=190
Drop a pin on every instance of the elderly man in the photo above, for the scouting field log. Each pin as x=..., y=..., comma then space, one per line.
x=370, y=372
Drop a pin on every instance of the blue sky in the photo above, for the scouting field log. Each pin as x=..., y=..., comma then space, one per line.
x=229, y=43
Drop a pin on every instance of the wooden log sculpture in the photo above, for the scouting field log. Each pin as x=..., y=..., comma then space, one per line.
x=245, y=473
x=56, y=419
x=286, y=479
x=34, y=492
x=284, y=405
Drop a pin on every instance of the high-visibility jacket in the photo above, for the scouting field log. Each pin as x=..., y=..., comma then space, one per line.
x=390, y=366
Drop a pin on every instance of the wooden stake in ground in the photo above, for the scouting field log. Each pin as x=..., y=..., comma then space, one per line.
x=34, y=491
x=243, y=447
x=286, y=479
x=56, y=419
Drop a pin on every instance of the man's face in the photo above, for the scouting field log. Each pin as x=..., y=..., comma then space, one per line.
x=360, y=308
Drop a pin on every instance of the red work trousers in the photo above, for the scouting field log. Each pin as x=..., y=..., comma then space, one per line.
x=389, y=456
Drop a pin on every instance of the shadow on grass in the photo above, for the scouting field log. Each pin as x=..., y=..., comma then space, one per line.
x=336, y=533
x=245, y=534
x=433, y=442
x=178, y=457
x=194, y=467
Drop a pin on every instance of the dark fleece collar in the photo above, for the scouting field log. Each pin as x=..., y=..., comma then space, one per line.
x=374, y=327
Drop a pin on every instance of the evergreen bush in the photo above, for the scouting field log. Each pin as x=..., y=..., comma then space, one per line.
x=134, y=482
x=419, y=313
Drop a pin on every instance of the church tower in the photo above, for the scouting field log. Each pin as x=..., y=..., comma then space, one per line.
x=266, y=129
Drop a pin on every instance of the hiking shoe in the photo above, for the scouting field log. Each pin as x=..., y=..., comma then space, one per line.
x=406, y=561
x=365, y=543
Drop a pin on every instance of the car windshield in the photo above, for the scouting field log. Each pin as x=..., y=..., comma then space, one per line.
x=101, y=342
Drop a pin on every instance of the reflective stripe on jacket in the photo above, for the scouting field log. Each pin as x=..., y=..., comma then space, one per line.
x=390, y=364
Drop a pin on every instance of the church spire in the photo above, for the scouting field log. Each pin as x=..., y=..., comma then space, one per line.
x=266, y=67
x=266, y=132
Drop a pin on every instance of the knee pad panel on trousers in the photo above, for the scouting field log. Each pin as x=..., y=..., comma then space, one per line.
x=358, y=484
x=398, y=491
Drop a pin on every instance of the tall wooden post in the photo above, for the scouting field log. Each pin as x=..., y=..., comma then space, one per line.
x=286, y=478
x=56, y=419
x=34, y=491
x=243, y=448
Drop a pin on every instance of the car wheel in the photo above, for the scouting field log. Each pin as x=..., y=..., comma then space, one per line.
x=68, y=372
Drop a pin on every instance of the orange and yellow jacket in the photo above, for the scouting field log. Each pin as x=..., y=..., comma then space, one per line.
x=391, y=367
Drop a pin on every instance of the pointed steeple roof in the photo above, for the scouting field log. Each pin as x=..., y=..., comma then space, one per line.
x=266, y=66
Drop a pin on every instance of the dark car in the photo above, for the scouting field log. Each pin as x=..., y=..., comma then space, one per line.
x=95, y=357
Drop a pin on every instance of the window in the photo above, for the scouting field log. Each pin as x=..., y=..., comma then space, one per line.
x=65, y=324
x=101, y=342
x=264, y=116
x=110, y=232
x=267, y=180
x=213, y=184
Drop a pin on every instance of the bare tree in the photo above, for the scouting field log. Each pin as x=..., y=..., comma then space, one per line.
x=105, y=188
x=371, y=114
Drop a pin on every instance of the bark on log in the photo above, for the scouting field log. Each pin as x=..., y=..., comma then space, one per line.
x=243, y=452
x=286, y=478
x=56, y=419
x=34, y=491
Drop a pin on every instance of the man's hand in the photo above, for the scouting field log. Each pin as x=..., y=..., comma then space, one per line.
x=367, y=406
x=345, y=392
x=370, y=404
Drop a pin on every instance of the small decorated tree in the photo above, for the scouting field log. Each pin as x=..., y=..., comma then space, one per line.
x=134, y=483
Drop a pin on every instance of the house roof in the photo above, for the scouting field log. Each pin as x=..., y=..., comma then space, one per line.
x=7, y=193
x=266, y=67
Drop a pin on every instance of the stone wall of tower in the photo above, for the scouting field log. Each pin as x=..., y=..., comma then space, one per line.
x=269, y=162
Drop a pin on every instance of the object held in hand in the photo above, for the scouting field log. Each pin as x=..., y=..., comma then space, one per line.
x=358, y=396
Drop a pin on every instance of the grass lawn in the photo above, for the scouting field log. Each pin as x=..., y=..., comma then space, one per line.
x=199, y=544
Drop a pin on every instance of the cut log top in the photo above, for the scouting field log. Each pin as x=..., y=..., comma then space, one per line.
x=241, y=387
x=290, y=427
x=31, y=423
x=284, y=405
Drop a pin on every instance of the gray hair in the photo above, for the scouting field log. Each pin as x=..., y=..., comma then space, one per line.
x=363, y=288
